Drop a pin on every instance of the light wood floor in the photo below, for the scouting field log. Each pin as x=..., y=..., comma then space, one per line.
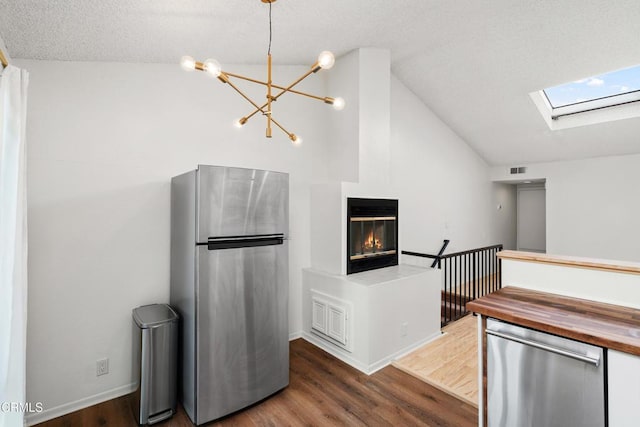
x=449, y=363
x=323, y=391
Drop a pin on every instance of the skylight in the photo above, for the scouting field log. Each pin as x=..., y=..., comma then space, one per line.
x=597, y=99
x=605, y=85
x=601, y=91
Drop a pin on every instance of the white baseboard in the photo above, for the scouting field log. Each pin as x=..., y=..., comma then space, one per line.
x=67, y=408
x=295, y=335
x=363, y=367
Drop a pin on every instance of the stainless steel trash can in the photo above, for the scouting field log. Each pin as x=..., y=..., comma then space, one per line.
x=156, y=362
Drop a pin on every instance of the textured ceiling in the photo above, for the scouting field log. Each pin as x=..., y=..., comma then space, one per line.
x=473, y=62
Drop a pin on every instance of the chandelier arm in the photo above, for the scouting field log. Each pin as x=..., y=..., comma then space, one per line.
x=249, y=79
x=282, y=128
x=297, y=92
x=288, y=88
x=254, y=113
x=275, y=98
x=247, y=98
x=257, y=108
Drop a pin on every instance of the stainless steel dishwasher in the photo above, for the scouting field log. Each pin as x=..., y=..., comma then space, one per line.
x=536, y=379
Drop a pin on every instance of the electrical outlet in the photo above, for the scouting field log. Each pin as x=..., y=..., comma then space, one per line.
x=102, y=367
x=403, y=329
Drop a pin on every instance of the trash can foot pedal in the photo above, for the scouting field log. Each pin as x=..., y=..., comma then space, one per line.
x=161, y=416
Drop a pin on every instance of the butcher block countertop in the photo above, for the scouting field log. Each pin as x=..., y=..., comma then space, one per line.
x=605, y=325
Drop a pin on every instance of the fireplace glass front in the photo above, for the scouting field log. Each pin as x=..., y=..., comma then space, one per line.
x=372, y=237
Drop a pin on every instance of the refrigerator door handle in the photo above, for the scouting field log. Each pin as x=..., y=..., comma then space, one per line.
x=233, y=242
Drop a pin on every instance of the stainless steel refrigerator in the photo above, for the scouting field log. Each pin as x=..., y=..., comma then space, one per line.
x=229, y=283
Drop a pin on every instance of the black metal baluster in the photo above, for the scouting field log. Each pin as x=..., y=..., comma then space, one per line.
x=483, y=291
x=467, y=285
x=457, y=287
x=475, y=282
x=484, y=272
x=472, y=292
x=495, y=267
x=493, y=259
x=443, y=307
x=492, y=273
x=488, y=279
x=455, y=290
x=480, y=285
x=452, y=298
x=448, y=306
x=500, y=270
x=443, y=293
x=484, y=276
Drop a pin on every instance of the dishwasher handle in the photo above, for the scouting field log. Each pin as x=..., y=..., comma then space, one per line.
x=592, y=360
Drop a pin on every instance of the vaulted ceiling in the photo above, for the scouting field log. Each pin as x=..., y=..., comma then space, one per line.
x=472, y=62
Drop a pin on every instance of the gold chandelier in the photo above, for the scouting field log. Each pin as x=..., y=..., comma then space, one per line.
x=213, y=68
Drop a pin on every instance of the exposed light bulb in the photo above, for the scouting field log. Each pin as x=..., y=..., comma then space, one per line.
x=240, y=122
x=295, y=139
x=212, y=67
x=338, y=103
x=188, y=63
x=326, y=60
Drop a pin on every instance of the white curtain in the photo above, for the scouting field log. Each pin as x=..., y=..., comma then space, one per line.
x=13, y=244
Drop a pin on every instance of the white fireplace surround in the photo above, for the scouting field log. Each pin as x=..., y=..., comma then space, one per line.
x=392, y=310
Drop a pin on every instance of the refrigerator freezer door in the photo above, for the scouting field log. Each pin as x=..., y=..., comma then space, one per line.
x=242, y=339
x=239, y=202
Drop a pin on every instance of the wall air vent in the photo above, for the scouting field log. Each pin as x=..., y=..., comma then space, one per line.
x=518, y=170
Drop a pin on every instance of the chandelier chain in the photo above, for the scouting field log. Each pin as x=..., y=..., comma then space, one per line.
x=325, y=61
x=270, y=32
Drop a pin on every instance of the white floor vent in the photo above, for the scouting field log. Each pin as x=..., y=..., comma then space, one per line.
x=331, y=319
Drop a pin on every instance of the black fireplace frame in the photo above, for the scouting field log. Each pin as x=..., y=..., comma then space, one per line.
x=358, y=207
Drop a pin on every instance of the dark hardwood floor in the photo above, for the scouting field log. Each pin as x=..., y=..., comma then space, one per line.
x=322, y=391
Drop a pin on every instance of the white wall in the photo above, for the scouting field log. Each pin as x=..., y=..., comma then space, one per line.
x=359, y=145
x=375, y=90
x=103, y=142
x=592, y=205
x=343, y=130
x=443, y=185
x=577, y=282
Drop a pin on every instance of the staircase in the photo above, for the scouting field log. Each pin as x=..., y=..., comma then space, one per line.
x=466, y=275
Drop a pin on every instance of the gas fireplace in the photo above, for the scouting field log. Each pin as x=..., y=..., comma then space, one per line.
x=372, y=236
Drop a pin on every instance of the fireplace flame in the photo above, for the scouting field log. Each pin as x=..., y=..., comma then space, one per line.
x=370, y=242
